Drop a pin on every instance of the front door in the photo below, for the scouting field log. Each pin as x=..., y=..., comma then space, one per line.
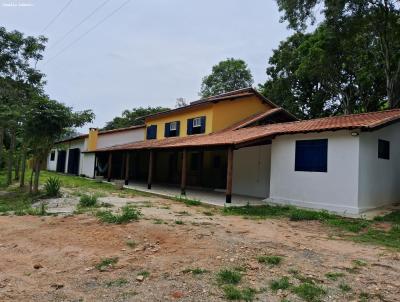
x=62, y=155
x=73, y=161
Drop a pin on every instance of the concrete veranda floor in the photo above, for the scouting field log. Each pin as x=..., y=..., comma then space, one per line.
x=211, y=197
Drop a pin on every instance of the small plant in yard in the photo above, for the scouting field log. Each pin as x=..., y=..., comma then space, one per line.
x=272, y=260
x=359, y=262
x=187, y=201
x=208, y=213
x=195, y=271
x=227, y=276
x=309, y=292
x=145, y=274
x=158, y=221
x=117, y=282
x=282, y=283
x=106, y=263
x=334, y=276
x=131, y=243
x=128, y=214
x=53, y=187
x=233, y=293
x=344, y=287
x=179, y=222
x=87, y=201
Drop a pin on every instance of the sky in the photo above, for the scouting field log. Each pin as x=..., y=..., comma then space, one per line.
x=132, y=53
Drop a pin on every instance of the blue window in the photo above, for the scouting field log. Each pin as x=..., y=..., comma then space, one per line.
x=383, y=149
x=151, y=132
x=196, y=125
x=172, y=129
x=312, y=155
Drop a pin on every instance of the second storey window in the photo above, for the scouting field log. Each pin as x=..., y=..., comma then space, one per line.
x=171, y=129
x=311, y=155
x=196, y=125
x=151, y=132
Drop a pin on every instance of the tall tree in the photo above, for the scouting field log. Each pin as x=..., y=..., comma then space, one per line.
x=228, y=75
x=380, y=19
x=132, y=117
x=45, y=122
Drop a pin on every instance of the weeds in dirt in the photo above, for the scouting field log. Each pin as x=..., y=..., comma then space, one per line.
x=131, y=243
x=117, y=282
x=227, y=276
x=158, y=221
x=128, y=214
x=233, y=293
x=183, y=213
x=344, y=287
x=334, y=276
x=282, y=283
x=188, y=201
x=179, y=222
x=309, y=292
x=145, y=274
x=106, y=263
x=87, y=201
x=271, y=260
x=195, y=271
x=391, y=217
x=208, y=213
x=359, y=262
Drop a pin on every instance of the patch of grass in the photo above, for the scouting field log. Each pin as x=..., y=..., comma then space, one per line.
x=271, y=260
x=208, y=213
x=334, y=276
x=359, y=262
x=265, y=211
x=389, y=238
x=364, y=297
x=344, y=287
x=131, y=243
x=128, y=214
x=179, y=222
x=145, y=274
x=195, y=271
x=117, y=282
x=309, y=292
x=188, y=201
x=87, y=201
x=297, y=214
x=106, y=263
x=233, y=293
x=282, y=283
x=227, y=276
x=391, y=217
x=348, y=224
x=158, y=221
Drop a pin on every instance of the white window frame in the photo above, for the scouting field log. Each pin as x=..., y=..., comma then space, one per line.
x=197, y=122
x=173, y=126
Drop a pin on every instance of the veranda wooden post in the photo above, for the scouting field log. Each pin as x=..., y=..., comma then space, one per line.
x=127, y=168
x=228, y=198
x=109, y=166
x=183, y=176
x=150, y=174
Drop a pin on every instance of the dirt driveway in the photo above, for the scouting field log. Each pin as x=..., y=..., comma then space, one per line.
x=174, y=253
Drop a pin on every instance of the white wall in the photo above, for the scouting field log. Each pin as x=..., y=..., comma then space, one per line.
x=379, y=179
x=87, y=167
x=52, y=164
x=118, y=138
x=251, y=171
x=334, y=190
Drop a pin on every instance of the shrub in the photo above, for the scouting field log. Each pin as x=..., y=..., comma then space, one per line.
x=52, y=187
x=282, y=283
x=309, y=292
x=88, y=200
x=128, y=214
x=232, y=293
x=226, y=276
x=344, y=287
x=106, y=263
x=272, y=260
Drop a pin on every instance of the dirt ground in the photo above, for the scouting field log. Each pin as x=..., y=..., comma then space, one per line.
x=53, y=258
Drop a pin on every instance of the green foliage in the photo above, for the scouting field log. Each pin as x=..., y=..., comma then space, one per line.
x=117, y=282
x=391, y=217
x=131, y=243
x=344, y=287
x=309, y=292
x=231, y=74
x=227, y=276
x=145, y=274
x=187, y=201
x=195, y=271
x=128, y=214
x=179, y=222
x=334, y=275
x=132, y=117
x=233, y=293
x=282, y=283
x=106, y=263
x=271, y=260
x=87, y=200
x=53, y=187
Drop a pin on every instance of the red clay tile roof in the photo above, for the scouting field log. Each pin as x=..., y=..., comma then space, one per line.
x=365, y=122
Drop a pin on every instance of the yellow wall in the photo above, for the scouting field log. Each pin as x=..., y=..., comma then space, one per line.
x=182, y=116
x=227, y=113
x=92, y=141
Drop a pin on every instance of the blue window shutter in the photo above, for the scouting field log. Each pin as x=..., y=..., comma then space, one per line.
x=178, y=126
x=190, y=126
x=151, y=132
x=148, y=131
x=203, y=124
x=154, y=131
x=311, y=155
x=166, y=130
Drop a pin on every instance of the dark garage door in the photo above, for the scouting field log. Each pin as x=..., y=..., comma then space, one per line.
x=73, y=161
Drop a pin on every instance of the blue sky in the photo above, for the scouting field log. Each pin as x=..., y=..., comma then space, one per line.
x=149, y=53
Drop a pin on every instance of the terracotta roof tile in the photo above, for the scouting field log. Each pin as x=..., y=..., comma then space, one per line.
x=365, y=121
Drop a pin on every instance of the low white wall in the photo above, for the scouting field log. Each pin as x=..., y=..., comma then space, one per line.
x=118, y=138
x=379, y=178
x=87, y=166
x=251, y=171
x=334, y=190
x=52, y=164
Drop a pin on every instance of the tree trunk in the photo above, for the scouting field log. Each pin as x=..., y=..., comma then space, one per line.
x=23, y=167
x=31, y=181
x=36, y=180
x=1, y=146
x=11, y=157
x=17, y=166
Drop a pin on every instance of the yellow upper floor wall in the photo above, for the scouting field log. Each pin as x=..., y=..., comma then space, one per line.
x=219, y=115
